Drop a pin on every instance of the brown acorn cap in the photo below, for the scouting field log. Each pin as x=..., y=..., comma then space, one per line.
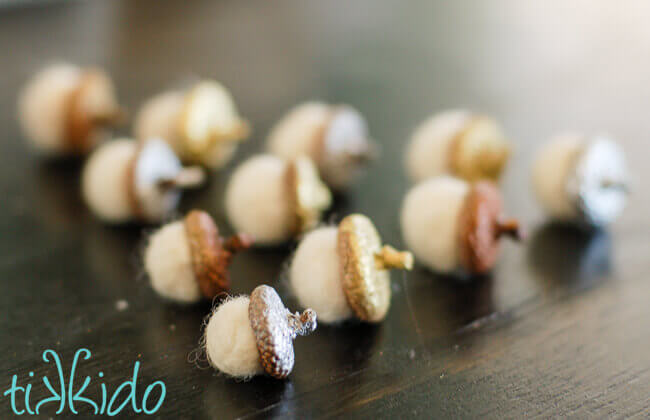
x=479, y=150
x=275, y=328
x=481, y=225
x=81, y=122
x=364, y=267
x=211, y=254
x=308, y=195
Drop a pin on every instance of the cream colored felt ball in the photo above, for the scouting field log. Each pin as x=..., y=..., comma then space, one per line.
x=274, y=200
x=168, y=262
x=122, y=182
x=429, y=221
x=229, y=340
x=315, y=276
x=335, y=137
x=249, y=336
x=257, y=200
x=457, y=143
x=451, y=225
x=580, y=178
x=201, y=124
x=65, y=109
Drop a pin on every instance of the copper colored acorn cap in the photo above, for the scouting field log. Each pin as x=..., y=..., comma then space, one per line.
x=481, y=225
x=211, y=254
x=364, y=267
x=308, y=195
x=275, y=328
x=80, y=121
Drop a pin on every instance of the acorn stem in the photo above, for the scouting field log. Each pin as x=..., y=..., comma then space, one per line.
x=115, y=116
x=390, y=258
x=615, y=185
x=238, y=133
x=190, y=177
x=510, y=228
x=238, y=242
x=302, y=324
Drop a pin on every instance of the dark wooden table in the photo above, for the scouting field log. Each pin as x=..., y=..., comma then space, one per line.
x=561, y=328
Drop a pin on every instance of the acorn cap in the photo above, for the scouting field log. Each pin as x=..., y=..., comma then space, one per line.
x=92, y=105
x=344, y=139
x=309, y=197
x=481, y=225
x=275, y=328
x=364, y=267
x=598, y=183
x=479, y=150
x=208, y=118
x=211, y=254
x=155, y=178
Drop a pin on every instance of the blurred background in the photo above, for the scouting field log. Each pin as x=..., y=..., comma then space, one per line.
x=559, y=329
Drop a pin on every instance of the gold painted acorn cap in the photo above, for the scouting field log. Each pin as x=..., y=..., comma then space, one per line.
x=309, y=197
x=211, y=254
x=480, y=150
x=275, y=328
x=364, y=267
x=481, y=226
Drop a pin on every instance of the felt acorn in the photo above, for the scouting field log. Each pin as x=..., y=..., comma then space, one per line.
x=452, y=225
x=342, y=272
x=458, y=143
x=201, y=124
x=275, y=200
x=187, y=260
x=251, y=336
x=580, y=178
x=66, y=110
x=123, y=181
x=334, y=136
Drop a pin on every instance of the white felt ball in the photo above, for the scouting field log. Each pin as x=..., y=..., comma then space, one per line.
x=229, y=340
x=315, y=276
x=553, y=164
x=159, y=118
x=104, y=180
x=42, y=106
x=296, y=133
x=257, y=200
x=429, y=220
x=428, y=152
x=168, y=262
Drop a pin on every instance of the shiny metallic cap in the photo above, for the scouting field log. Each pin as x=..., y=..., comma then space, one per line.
x=211, y=254
x=275, y=328
x=309, y=196
x=364, y=267
x=598, y=184
x=481, y=225
x=479, y=150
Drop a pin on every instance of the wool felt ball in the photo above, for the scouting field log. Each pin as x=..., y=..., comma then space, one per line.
x=342, y=272
x=580, y=178
x=457, y=143
x=201, y=124
x=187, y=260
x=250, y=336
x=66, y=110
x=452, y=225
x=123, y=182
x=334, y=136
x=275, y=200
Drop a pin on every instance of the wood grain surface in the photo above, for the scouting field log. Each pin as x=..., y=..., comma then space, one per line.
x=560, y=329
